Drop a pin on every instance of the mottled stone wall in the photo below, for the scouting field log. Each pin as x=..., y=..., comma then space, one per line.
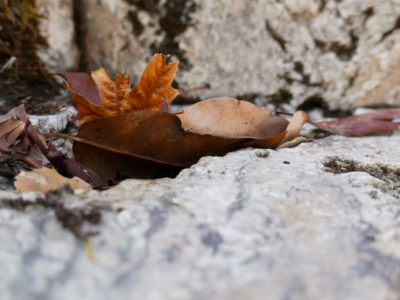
x=345, y=53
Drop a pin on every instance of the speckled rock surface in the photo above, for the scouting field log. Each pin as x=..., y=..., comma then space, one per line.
x=57, y=25
x=54, y=123
x=282, y=52
x=318, y=221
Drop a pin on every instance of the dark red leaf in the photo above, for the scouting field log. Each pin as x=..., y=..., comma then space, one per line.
x=362, y=125
x=83, y=85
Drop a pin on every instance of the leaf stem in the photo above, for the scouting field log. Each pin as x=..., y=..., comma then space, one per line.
x=58, y=135
x=283, y=113
x=199, y=88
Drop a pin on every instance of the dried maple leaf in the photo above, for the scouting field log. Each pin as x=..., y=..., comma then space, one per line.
x=361, y=125
x=23, y=147
x=116, y=96
x=148, y=144
x=44, y=180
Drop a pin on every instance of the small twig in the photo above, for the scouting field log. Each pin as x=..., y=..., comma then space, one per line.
x=199, y=88
x=283, y=113
x=8, y=64
x=47, y=77
x=58, y=135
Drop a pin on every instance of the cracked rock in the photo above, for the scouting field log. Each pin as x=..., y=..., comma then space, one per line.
x=270, y=52
x=317, y=221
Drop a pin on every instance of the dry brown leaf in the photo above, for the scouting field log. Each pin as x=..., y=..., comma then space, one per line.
x=44, y=180
x=148, y=144
x=295, y=124
x=117, y=97
x=380, y=121
x=229, y=117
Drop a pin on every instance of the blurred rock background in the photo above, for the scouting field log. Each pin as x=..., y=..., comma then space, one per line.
x=298, y=53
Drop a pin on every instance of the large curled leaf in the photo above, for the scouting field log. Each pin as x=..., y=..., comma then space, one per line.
x=229, y=117
x=149, y=144
x=116, y=96
x=361, y=125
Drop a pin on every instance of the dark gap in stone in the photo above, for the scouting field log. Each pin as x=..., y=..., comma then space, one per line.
x=395, y=27
x=71, y=219
x=137, y=26
x=81, y=35
x=368, y=13
x=343, y=52
x=340, y=166
x=390, y=176
x=317, y=102
x=275, y=36
x=150, y=6
x=306, y=78
x=322, y=5
x=176, y=20
x=282, y=96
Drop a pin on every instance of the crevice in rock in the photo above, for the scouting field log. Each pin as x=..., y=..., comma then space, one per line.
x=81, y=33
x=343, y=52
x=393, y=29
x=322, y=5
x=389, y=175
x=317, y=102
x=352, y=79
x=70, y=219
x=137, y=26
x=299, y=68
x=282, y=96
x=275, y=36
x=149, y=6
x=175, y=21
x=367, y=14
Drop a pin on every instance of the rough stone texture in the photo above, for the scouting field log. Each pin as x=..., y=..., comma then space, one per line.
x=344, y=52
x=54, y=123
x=318, y=221
x=57, y=25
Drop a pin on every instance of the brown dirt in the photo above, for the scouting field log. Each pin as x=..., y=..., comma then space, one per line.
x=26, y=80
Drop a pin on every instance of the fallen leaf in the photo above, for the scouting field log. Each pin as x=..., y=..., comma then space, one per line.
x=228, y=117
x=148, y=144
x=82, y=84
x=23, y=147
x=117, y=97
x=154, y=85
x=44, y=180
x=361, y=125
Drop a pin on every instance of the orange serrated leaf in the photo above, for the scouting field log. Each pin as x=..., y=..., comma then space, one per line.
x=154, y=85
x=117, y=97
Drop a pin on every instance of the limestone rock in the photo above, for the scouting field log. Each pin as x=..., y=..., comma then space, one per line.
x=57, y=26
x=345, y=53
x=318, y=221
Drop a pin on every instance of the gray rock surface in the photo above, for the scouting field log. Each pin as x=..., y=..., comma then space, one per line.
x=54, y=123
x=57, y=26
x=343, y=52
x=318, y=221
